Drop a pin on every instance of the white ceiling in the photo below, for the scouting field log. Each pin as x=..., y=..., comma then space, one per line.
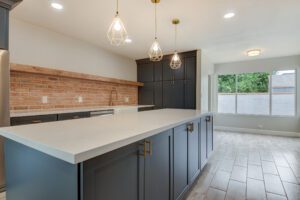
x=272, y=25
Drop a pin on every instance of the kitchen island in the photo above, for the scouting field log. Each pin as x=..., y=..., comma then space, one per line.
x=152, y=155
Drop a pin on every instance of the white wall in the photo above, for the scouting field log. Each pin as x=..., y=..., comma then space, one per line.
x=274, y=123
x=34, y=45
x=207, y=69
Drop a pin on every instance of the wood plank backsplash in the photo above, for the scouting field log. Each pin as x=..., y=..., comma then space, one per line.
x=28, y=89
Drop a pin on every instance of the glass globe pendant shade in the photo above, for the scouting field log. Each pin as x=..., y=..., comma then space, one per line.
x=117, y=33
x=155, y=52
x=175, y=61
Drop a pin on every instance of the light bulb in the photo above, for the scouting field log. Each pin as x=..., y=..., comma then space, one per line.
x=117, y=25
x=155, y=47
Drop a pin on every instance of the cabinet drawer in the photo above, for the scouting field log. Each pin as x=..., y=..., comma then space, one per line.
x=67, y=116
x=32, y=119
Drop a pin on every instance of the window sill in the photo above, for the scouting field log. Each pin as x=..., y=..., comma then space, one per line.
x=253, y=115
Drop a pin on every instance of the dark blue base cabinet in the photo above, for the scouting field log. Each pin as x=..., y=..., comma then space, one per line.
x=162, y=167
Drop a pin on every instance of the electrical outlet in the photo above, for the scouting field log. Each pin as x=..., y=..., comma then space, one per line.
x=80, y=99
x=126, y=99
x=44, y=99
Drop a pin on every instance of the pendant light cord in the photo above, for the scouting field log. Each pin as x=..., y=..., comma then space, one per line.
x=175, y=37
x=117, y=7
x=155, y=21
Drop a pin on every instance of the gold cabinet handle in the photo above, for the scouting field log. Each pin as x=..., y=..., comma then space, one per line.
x=150, y=147
x=146, y=150
x=76, y=117
x=190, y=127
x=37, y=121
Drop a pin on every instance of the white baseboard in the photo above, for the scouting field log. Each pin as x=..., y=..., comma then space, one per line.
x=257, y=131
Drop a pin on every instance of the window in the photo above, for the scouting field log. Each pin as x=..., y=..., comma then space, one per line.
x=284, y=92
x=227, y=90
x=258, y=93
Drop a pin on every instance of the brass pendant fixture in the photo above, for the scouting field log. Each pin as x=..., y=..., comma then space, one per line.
x=117, y=33
x=155, y=51
x=175, y=61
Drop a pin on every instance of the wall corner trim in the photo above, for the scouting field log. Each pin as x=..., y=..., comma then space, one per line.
x=258, y=131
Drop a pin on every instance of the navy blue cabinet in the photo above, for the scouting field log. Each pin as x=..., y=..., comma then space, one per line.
x=210, y=135
x=158, y=168
x=203, y=142
x=180, y=161
x=193, y=151
x=116, y=175
x=161, y=81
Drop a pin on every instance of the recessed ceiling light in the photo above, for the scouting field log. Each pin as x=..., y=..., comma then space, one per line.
x=229, y=15
x=57, y=6
x=254, y=52
x=128, y=40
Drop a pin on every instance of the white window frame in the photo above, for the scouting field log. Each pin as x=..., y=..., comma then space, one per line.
x=270, y=93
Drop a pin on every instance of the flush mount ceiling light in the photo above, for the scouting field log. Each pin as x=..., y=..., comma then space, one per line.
x=57, y=6
x=117, y=33
x=155, y=52
x=229, y=15
x=253, y=52
x=175, y=61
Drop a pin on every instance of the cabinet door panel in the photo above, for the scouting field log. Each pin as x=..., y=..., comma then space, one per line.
x=158, y=168
x=190, y=67
x=190, y=94
x=145, y=72
x=158, y=71
x=209, y=135
x=116, y=175
x=171, y=74
x=193, y=152
x=180, y=161
x=158, y=95
x=203, y=142
x=173, y=94
x=146, y=94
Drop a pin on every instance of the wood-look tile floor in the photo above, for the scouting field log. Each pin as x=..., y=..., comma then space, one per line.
x=252, y=167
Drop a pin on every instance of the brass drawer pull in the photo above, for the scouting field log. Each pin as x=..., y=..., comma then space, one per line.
x=37, y=121
x=190, y=127
x=145, y=149
x=76, y=117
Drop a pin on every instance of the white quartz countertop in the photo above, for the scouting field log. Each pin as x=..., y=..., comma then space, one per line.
x=78, y=140
x=62, y=111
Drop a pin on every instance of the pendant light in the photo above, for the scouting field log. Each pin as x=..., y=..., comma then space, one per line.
x=117, y=33
x=155, y=52
x=175, y=61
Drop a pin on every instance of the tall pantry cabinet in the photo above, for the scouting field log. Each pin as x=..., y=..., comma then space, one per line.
x=165, y=87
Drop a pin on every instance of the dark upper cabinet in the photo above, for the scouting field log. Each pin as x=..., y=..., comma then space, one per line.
x=145, y=72
x=190, y=68
x=168, y=73
x=158, y=92
x=180, y=167
x=4, y=23
x=193, y=151
x=158, y=71
x=203, y=144
x=173, y=94
x=210, y=136
x=170, y=88
x=190, y=94
x=158, y=164
x=146, y=94
x=116, y=175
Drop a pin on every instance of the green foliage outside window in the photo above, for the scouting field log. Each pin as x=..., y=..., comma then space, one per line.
x=246, y=83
